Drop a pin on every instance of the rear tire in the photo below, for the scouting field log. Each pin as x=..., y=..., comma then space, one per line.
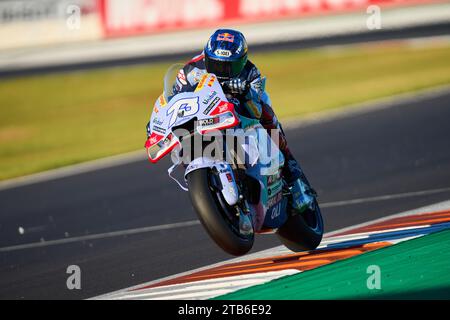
x=213, y=217
x=297, y=234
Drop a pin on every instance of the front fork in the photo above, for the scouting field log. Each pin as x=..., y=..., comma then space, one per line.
x=225, y=182
x=241, y=207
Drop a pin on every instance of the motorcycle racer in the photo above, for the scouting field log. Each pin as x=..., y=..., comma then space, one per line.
x=225, y=55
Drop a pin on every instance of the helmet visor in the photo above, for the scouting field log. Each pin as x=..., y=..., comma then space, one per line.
x=225, y=69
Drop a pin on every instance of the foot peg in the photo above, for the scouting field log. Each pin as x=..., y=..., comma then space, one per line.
x=302, y=196
x=245, y=224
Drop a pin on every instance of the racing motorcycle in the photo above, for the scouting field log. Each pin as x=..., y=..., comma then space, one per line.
x=233, y=172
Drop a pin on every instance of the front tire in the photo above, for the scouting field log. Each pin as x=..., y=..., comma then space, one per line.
x=213, y=216
x=302, y=231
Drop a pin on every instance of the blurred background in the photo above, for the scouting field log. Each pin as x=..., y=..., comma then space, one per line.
x=361, y=87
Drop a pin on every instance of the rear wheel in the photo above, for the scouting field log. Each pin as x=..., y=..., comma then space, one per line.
x=215, y=216
x=302, y=231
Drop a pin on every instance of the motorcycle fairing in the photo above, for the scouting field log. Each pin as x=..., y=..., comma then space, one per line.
x=228, y=184
x=269, y=176
x=207, y=105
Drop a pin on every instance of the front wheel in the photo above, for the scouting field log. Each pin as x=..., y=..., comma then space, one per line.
x=302, y=231
x=215, y=217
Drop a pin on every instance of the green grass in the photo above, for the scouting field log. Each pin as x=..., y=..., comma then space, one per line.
x=56, y=120
x=414, y=269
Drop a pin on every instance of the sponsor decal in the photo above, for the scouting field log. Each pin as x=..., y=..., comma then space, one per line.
x=195, y=75
x=225, y=37
x=222, y=53
x=162, y=100
x=206, y=122
x=276, y=211
x=229, y=177
x=212, y=105
x=201, y=84
x=158, y=122
x=211, y=95
x=181, y=108
x=222, y=108
x=154, y=138
x=273, y=178
x=274, y=200
x=276, y=187
x=238, y=50
x=168, y=140
x=159, y=129
x=211, y=81
x=181, y=77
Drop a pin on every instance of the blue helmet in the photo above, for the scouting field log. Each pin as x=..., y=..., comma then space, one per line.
x=226, y=53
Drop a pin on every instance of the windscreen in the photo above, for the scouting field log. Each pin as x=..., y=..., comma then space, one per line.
x=170, y=79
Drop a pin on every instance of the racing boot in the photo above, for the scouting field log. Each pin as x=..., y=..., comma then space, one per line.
x=303, y=195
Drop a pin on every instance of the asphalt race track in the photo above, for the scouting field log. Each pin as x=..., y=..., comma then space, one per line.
x=401, y=149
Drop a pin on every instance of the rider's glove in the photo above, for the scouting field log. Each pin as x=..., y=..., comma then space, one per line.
x=236, y=86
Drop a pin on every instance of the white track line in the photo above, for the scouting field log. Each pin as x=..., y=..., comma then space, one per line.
x=205, y=289
x=440, y=206
x=101, y=235
x=281, y=250
x=197, y=222
x=75, y=169
x=366, y=107
x=213, y=287
x=384, y=197
x=210, y=288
